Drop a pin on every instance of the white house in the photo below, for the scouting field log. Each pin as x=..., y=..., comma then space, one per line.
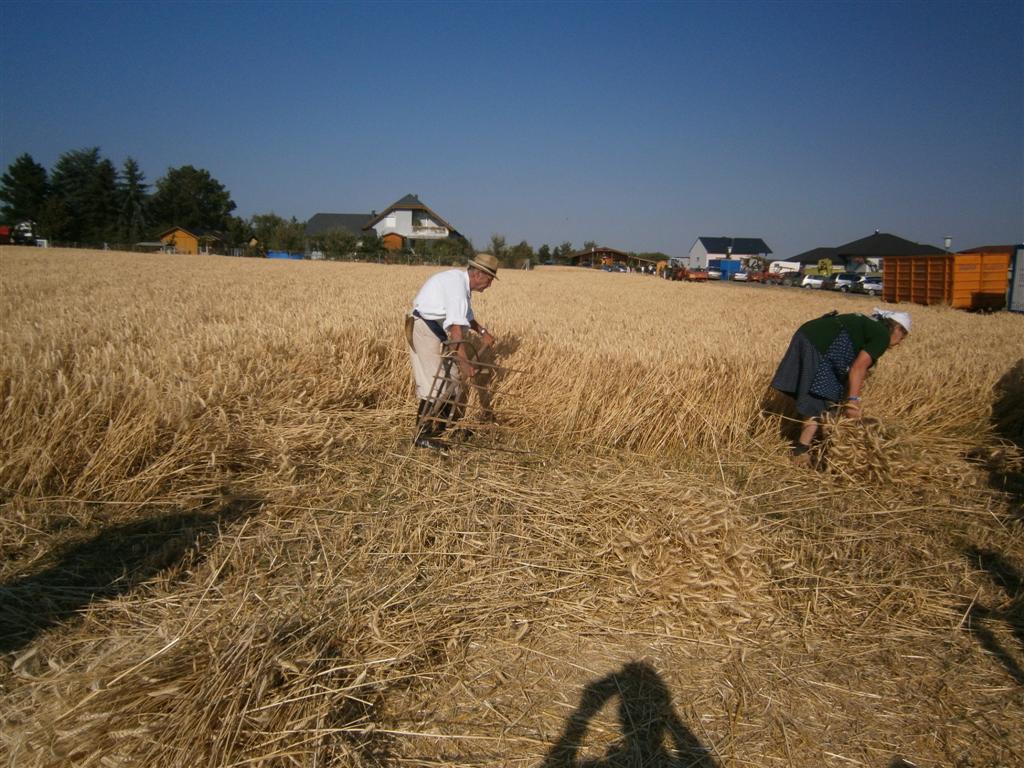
x=401, y=225
x=407, y=220
x=741, y=248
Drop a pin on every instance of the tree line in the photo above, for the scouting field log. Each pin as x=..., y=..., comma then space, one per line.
x=85, y=200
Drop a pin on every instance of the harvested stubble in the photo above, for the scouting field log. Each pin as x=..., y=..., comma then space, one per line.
x=222, y=446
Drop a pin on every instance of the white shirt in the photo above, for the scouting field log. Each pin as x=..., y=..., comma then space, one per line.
x=445, y=297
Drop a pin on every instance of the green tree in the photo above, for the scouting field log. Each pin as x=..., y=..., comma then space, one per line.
x=100, y=210
x=497, y=247
x=544, y=254
x=336, y=244
x=191, y=198
x=561, y=252
x=371, y=247
x=239, y=233
x=589, y=244
x=520, y=254
x=54, y=218
x=132, y=202
x=23, y=190
x=450, y=250
x=279, y=234
x=84, y=186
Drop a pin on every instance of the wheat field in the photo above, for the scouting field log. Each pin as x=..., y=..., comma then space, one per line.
x=220, y=549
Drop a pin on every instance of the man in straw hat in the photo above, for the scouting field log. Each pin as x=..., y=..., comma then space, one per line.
x=442, y=312
x=827, y=361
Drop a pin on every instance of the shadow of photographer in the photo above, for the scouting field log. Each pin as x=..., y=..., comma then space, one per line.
x=651, y=734
x=107, y=564
x=1008, y=423
x=1011, y=613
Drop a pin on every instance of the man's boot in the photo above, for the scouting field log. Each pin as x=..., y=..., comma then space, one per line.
x=427, y=428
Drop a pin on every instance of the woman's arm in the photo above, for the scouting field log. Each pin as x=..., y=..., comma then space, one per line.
x=854, y=382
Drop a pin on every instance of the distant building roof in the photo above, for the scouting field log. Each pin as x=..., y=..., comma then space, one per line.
x=211, y=234
x=878, y=245
x=884, y=244
x=741, y=246
x=354, y=223
x=814, y=255
x=991, y=249
x=412, y=203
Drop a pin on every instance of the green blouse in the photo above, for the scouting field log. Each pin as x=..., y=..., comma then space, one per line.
x=865, y=332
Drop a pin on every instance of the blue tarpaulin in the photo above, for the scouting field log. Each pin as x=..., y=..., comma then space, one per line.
x=283, y=255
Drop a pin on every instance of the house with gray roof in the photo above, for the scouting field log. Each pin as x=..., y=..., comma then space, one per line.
x=740, y=248
x=401, y=225
x=856, y=255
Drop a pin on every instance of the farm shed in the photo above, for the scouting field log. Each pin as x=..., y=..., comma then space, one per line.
x=393, y=241
x=192, y=242
x=975, y=279
x=600, y=255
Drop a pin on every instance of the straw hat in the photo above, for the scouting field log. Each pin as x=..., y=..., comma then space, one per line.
x=485, y=262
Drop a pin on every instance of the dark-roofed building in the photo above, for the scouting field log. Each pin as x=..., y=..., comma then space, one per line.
x=814, y=255
x=740, y=248
x=353, y=223
x=856, y=254
x=882, y=244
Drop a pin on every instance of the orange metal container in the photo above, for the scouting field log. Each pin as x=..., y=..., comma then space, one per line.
x=961, y=280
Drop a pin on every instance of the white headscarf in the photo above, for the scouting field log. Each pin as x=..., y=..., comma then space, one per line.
x=903, y=318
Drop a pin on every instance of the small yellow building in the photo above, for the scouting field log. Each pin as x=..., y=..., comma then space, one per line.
x=192, y=242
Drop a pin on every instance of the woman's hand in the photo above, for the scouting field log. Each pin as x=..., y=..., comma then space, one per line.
x=853, y=408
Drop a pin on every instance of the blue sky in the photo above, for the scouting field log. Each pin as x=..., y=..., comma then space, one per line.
x=637, y=125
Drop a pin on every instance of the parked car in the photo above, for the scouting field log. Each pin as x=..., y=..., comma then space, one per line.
x=870, y=284
x=714, y=274
x=812, y=281
x=844, y=281
x=740, y=277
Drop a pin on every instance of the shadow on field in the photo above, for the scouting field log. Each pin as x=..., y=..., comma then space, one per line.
x=980, y=617
x=651, y=734
x=489, y=379
x=1008, y=422
x=109, y=563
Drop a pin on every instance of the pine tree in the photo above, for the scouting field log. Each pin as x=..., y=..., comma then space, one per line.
x=132, y=203
x=23, y=190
